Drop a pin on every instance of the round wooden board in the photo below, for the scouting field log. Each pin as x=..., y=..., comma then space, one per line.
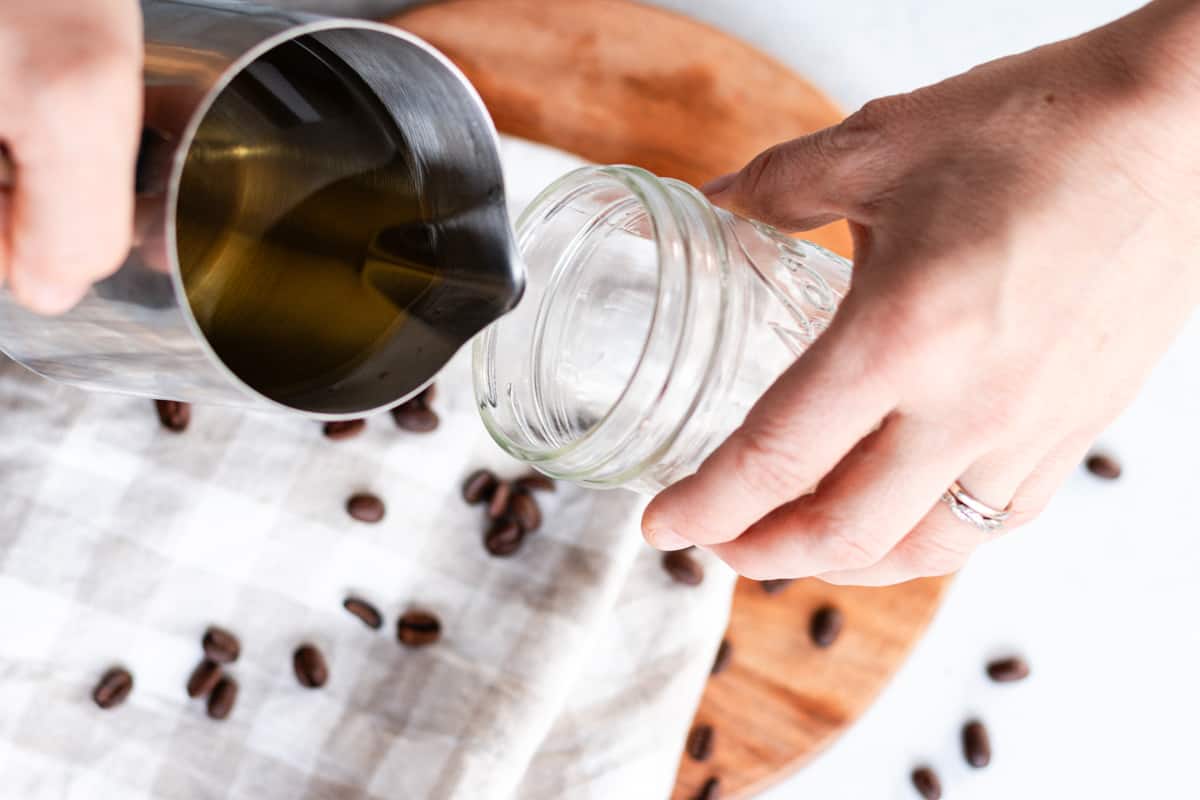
x=618, y=82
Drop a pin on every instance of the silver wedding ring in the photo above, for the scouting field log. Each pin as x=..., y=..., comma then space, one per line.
x=972, y=510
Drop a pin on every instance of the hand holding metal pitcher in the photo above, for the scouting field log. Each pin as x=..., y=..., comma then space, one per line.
x=319, y=220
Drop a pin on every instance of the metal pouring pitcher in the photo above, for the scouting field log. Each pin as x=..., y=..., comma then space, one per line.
x=321, y=101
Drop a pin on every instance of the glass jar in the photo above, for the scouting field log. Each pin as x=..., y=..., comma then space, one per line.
x=652, y=322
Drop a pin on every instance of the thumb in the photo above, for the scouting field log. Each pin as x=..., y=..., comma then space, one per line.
x=794, y=186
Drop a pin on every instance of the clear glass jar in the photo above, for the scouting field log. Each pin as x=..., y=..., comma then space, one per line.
x=651, y=324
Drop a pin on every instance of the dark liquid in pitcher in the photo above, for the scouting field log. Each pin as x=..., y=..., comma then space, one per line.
x=302, y=240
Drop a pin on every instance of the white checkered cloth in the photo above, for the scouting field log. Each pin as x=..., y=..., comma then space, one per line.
x=570, y=670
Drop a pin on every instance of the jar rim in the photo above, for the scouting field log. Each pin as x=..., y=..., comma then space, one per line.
x=652, y=194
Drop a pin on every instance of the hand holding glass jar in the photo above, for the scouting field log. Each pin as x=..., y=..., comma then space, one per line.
x=1025, y=239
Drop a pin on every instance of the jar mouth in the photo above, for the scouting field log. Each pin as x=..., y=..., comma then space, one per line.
x=575, y=400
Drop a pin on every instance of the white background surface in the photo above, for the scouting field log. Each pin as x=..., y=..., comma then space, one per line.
x=1101, y=593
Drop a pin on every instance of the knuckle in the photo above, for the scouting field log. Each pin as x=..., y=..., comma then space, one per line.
x=82, y=63
x=845, y=550
x=759, y=173
x=914, y=340
x=931, y=555
x=867, y=123
x=1006, y=409
x=762, y=463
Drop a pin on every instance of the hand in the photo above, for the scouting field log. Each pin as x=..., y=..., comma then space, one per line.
x=70, y=113
x=1026, y=240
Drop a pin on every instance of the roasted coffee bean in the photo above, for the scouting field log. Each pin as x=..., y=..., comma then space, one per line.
x=345, y=429
x=309, y=664
x=113, y=688
x=711, y=790
x=504, y=537
x=416, y=417
x=204, y=678
x=365, y=507
x=478, y=486
x=926, y=782
x=525, y=511
x=220, y=645
x=976, y=747
x=1008, y=670
x=700, y=742
x=1104, y=466
x=428, y=395
x=173, y=414
x=223, y=696
x=536, y=482
x=418, y=628
x=368, y=613
x=683, y=568
x=825, y=626
x=724, y=653
x=498, y=504
x=776, y=586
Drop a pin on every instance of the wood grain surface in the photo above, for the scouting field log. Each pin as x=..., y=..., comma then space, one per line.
x=618, y=82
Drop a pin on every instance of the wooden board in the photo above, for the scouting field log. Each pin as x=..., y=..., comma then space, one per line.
x=617, y=82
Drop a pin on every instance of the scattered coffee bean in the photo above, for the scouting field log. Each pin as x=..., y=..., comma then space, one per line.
x=368, y=613
x=427, y=396
x=113, y=688
x=700, y=742
x=479, y=486
x=536, y=482
x=1008, y=670
x=309, y=664
x=204, y=678
x=498, y=504
x=776, y=586
x=418, y=628
x=223, y=696
x=711, y=790
x=365, y=507
x=825, y=626
x=1103, y=466
x=504, y=537
x=173, y=414
x=976, y=747
x=220, y=645
x=345, y=429
x=926, y=782
x=721, y=662
x=526, y=512
x=683, y=568
x=415, y=417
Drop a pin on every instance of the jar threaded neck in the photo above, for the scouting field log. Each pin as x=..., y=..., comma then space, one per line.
x=595, y=375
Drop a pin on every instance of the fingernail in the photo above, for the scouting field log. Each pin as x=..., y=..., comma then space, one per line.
x=666, y=539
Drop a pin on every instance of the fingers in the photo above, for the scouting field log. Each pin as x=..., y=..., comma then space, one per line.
x=1036, y=492
x=805, y=183
x=800, y=429
x=795, y=186
x=73, y=151
x=880, y=491
x=942, y=542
